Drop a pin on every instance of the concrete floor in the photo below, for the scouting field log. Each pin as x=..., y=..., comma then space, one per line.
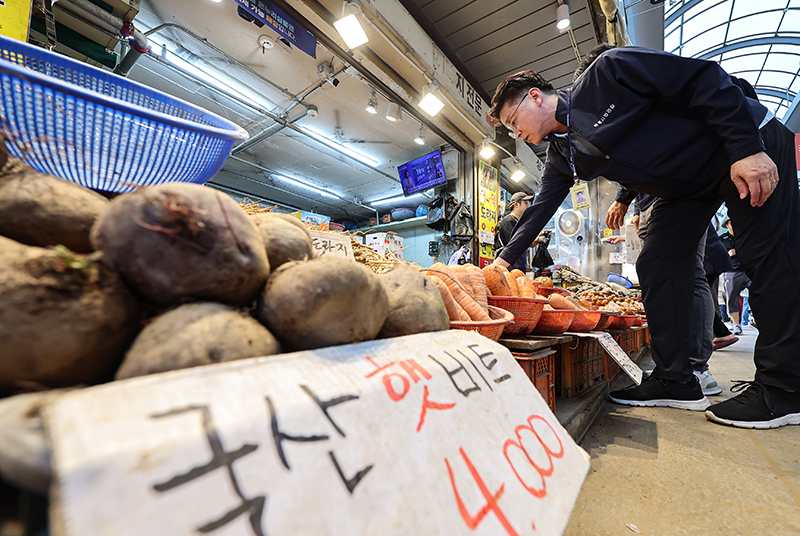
x=665, y=472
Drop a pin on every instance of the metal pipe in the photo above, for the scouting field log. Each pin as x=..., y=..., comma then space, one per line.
x=285, y=92
x=264, y=134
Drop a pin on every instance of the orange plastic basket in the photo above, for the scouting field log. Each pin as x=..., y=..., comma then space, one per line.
x=584, y=321
x=526, y=312
x=622, y=322
x=491, y=329
x=554, y=321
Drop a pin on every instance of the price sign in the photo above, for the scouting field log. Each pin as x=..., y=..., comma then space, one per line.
x=617, y=354
x=437, y=433
x=332, y=244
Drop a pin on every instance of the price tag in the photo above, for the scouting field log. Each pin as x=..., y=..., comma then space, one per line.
x=332, y=244
x=616, y=258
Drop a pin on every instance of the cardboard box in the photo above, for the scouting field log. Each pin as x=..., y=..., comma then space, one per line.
x=313, y=221
x=387, y=218
x=385, y=243
x=373, y=221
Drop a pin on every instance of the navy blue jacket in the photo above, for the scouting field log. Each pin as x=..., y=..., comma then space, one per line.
x=668, y=126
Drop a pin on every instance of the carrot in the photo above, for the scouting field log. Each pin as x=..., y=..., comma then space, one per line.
x=454, y=310
x=462, y=276
x=464, y=299
x=479, y=289
x=496, y=280
x=512, y=284
x=437, y=266
x=526, y=288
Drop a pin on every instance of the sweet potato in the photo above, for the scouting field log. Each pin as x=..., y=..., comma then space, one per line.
x=561, y=302
x=323, y=302
x=177, y=241
x=196, y=334
x=415, y=304
x=285, y=238
x=38, y=209
x=64, y=319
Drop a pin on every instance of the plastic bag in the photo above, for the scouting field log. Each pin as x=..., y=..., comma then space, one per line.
x=461, y=256
x=462, y=226
x=542, y=257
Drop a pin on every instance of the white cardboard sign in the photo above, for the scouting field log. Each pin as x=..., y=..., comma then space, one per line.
x=616, y=352
x=438, y=433
x=338, y=245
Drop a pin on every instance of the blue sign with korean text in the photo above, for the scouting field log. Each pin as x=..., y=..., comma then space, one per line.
x=270, y=14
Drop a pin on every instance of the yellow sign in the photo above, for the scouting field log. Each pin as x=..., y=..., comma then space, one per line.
x=15, y=18
x=487, y=217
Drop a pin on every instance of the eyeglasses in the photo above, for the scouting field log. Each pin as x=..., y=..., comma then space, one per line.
x=512, y=125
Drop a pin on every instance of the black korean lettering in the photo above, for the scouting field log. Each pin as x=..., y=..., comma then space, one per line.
x=325, y=404
x=350, y=483
x=490, y=365
x=460, y=84
x=219, y=458
x=280, y=437
x=454, y=372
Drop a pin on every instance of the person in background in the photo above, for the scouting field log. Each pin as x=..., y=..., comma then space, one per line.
x=505, y=229
x=703, y=305
x=678, y=128
x=734, y=280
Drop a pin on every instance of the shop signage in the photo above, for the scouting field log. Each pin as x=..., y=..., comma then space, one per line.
x=272, y=15
x=15, y=18
x=437, y=433
x=487, y=211
x=338, y=245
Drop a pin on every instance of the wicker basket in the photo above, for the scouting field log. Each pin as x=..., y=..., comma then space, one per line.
x=526, y=312
x=491, y=329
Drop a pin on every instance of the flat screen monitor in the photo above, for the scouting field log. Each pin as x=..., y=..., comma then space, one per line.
x=422, y=174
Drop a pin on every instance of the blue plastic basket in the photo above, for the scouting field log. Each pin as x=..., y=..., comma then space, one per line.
x=619, y=280
x=101, y=130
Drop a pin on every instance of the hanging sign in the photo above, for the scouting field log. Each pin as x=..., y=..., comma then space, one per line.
x=273, y=16
x=437, y=433
x=487, y=216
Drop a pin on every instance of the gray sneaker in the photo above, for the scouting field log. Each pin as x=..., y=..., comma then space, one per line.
x=707, y=383
x=737, y=329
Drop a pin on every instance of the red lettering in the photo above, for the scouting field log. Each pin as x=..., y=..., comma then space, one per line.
x=411, y=365
x=377, y=367
x=491, y=499
x=428, y=404
x=394, y=395
x=543, y=473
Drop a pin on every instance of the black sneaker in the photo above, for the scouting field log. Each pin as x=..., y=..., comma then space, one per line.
x=659, y=392
x=759, y=406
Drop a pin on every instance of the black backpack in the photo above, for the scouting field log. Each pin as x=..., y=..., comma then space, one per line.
x=462, y=226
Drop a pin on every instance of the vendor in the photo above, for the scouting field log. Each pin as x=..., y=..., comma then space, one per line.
x=505, y=229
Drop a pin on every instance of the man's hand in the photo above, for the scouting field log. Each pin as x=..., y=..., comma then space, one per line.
x=731, y=252
x=757, y=175
x=500, y=262
x=615, y=239
x=635, y=222
x=615, y=216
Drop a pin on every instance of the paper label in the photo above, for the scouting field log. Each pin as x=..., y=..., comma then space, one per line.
x=334, y=244
x=438, y=433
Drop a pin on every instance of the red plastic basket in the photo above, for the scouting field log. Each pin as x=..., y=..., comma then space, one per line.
x=584, y=321
x=554, y=321
x=491, y=329
x=622, y=322
x=526, y=312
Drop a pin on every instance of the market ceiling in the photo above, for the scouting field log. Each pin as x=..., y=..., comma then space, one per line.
x=204, y=52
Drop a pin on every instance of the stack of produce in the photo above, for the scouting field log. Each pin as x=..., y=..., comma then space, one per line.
x=174, y=276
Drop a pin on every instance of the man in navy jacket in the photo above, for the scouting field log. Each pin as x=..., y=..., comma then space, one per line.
x=678, y=129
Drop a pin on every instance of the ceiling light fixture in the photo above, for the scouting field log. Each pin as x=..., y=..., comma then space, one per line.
x=339, y=147
x=394, y=112
x=517, y=174
x=562, y=16
x=396, y=199
x=420, y=139
x=305, y=186
x=372, y=105
x=487, y=151
x=348, y=26
x=431, y=104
